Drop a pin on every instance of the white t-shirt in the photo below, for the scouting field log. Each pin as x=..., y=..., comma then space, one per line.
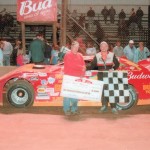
x=91, y=51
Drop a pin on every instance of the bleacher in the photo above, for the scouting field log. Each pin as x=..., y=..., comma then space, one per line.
x=111, y=30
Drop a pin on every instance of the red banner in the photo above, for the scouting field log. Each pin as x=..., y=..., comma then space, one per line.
x=37, y=10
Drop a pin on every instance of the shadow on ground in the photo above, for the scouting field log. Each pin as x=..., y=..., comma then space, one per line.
x=86, y=112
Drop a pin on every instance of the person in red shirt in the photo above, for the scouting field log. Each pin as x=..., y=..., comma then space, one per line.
x=74, y=65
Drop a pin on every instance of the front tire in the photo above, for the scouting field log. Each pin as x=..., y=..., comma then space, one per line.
x=133, y=99
x=20, y=94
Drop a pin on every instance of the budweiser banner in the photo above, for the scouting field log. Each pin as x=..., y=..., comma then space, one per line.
x=37, y=10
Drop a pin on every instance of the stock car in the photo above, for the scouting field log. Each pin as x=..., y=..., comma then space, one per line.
x=28, y=84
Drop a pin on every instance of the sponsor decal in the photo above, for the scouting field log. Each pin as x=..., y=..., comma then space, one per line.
x=51, y=92
x=41, y=90
x=34, y=79
x=138, y=76
x=58, y=76
x=51, y=80
x=41, y=74
x=146, y=88
x=44, y=82
x=29, y=75
x=42, y=96
x=57, y=87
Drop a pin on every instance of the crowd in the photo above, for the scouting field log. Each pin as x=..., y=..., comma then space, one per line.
x=41, y=52
x=126, y=24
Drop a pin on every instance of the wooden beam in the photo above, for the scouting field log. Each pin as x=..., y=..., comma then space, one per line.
x=64, y=20
x=54, y=33
x=23, y=37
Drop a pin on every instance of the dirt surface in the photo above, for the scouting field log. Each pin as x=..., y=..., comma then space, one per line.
x=47, y=128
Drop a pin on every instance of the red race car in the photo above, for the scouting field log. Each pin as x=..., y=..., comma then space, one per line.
x=31, y=83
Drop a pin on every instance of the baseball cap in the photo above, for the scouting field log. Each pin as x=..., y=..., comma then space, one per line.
x=131, y=42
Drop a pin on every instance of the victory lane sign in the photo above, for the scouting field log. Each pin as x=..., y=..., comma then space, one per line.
x=82, y=88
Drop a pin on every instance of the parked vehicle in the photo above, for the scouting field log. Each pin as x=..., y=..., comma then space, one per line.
x=31, y=83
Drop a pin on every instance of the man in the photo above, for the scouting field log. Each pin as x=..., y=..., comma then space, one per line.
x=91, y=15
x=105, y=61
x=122, y=16
x=112, y=13
x=118, y=49
x=74, y=65
x=37, y=49
x=105, y=13
x=139, y=14
x=130, y=51
x=7, y=51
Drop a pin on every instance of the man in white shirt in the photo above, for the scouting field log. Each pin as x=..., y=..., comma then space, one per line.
x=7, y=50
x=91, y=50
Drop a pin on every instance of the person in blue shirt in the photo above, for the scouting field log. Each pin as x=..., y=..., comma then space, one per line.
x=1, y=53
x=142, y=51
x=130, y=52
x=54, y=55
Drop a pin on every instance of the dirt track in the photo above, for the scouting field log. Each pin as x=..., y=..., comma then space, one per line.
x=47, y=128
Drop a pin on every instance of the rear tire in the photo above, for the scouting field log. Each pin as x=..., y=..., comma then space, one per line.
x=133, y=99
x=20, y=94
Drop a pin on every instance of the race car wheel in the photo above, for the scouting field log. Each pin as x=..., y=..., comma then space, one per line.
x=20, y=94
x=133, y=99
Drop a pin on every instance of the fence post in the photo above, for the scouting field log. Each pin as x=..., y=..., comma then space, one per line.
x=23, y=37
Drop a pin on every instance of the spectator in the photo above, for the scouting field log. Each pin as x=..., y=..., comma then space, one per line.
x=105, y=61
x=1, y=53
x=133, y=21
x=19, y=58
x=82, y=46
x=74, y=14
x=139, y=14
x=91, y=50
x=105, y=13
x=14, y=52
x=122, y=16
x=112, y=13
x=130, y=51
x=54, y=55
x=111, y=47
x=99, y=33
x=82, y=20
x=47, y=53
x=122, y=29
x=118, y=49
x=142, y=51
x=37, y=49
x=91, y=15
x=7, y=51
x=74, y=65
x=132, y=12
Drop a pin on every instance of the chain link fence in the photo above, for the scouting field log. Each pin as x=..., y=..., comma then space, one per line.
x=92, y=24
x=110, y=23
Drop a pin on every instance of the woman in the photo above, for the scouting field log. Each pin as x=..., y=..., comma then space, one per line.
x=142, y=52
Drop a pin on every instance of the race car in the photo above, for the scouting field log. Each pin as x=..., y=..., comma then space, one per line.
x=28, y=84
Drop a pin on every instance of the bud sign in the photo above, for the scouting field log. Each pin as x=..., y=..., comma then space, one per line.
x=37, y=10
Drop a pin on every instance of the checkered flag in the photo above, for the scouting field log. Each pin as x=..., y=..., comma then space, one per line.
x=115, y=86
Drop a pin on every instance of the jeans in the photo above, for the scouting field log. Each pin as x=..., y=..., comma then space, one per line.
x=6, y=60
x=70, y=104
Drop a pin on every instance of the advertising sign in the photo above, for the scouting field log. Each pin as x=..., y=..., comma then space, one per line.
x=37, y=10
x=81, y=88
